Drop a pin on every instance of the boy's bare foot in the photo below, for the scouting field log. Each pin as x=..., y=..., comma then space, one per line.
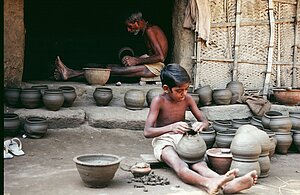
x=241, y=183
x=217, y=183
x=61, y=72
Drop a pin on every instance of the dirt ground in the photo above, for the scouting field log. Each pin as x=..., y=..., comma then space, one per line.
x=47, y=167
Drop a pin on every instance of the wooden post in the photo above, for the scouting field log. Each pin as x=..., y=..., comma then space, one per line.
x=278, y=67
x=270, y=51
x=237, y=40
x=294, y=78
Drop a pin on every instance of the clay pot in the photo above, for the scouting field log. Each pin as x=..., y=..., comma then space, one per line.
x=195, y=97
x=295, y=118
x=96, y=76
x=264, y=164
x=224, y=138
x=280, y=123
x=236, y=123
x=134, y=99
x=265, y=119
x=53, y=99
x=69, y=94
x=221, y=125
x=140, y=169
x=152, y=93
x=35, y=127
x=294, y=113
x=97, y=170
x=42, y=88
x=219, y=159
x=31, y=98
x=273, y=143
x=237, y=90
x=256, y=121
x=191, y=148
x=222, y=96
x=205, y=95
x=102, y=96
x=12, y=97
x=11, y=124
x=296, y=139
x=284, y=141
x=209, y=136
x=125, y=51
x=245, y=166
x=289, y=97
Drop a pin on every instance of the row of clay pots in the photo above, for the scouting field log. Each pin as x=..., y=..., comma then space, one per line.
x=230, y=95
x=37, y=96
x=34, y=126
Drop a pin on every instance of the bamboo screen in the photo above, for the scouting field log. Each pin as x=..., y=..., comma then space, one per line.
x=246, y=36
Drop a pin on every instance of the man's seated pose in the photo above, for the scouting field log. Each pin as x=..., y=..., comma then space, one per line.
x=148, y=65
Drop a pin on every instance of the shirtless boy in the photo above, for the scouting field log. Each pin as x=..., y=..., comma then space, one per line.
x=165, y=125
x=148, y=65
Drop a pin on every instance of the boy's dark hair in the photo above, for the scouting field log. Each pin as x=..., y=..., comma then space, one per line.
x=174, y=75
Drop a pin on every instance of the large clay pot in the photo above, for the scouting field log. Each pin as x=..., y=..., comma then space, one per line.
x=284, y=141
x=12, y=97
x=219, y=159
x=103, y=96
x=289, y=97
x=11, y=124
x=296, y=139
x=209, y=136
x=134, y=99
x=31, y=98
x=237, y=90
x=42, y=88
x=245, y=166
x=221, y=125
x=53, y=99
x=236, y=123
x=151, y=93
x=222, y=96
x=295, y=118
x=70, y=95
x=191, y=147
x=35, y=127
x=205, y=95
x=265, y=119
x=224, y=138
x=280, y=123
x=97, y=170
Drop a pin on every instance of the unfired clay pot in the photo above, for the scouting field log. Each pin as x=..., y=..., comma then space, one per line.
x=280, y=123
x=236, y=123
x=284, y=141
x=209, y=136
x=11, y=124
x=296, y=139
x=237, y=90
x=35, y=127
x=205, y=95
x=224, y=138
x=222, y=96
x=134, y=99
x=53, y=99
x=295, y=118
x=70, y=95
x=221, y=125
x=12, y=96
x=266, y=118
x=103, y=96
x=151, y=93
x=31, y=98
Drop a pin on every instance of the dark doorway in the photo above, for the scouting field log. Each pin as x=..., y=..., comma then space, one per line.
x=82, y=32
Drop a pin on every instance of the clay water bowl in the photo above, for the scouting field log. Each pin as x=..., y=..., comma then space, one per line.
x=96, y=76
x=219, y=159
x=97, y=170
x=288, y=96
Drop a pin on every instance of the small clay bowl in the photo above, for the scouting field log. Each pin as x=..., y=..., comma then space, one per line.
x=140, y=169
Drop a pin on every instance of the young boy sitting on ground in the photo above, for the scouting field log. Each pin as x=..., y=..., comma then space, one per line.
x=165, y=124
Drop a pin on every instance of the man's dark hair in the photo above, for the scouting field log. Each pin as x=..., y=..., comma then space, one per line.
x=174, y=75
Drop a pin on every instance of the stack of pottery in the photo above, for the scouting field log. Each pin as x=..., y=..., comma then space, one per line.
x=245, y=149
x=191, y=147
x=151, y=93
x=236, y=123
x=256, y=121
x=12, y=96
x=53, y=99
x=221, y=125
x=103, y=96
x=237, y=90
x=69, y=94
x=209, y=136
x=273, y=143
x=11, y=124
x=31, y=98
x=267, y=117
x=296, y=139
x=134, y=99
x=295, y=118
x=222, y=96
x=205, y=95
x=224, y=138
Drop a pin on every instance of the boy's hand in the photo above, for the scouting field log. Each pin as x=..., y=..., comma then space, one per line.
x=179, y=127
x=198, y=126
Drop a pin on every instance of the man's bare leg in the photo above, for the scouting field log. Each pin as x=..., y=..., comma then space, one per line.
x=62, y=72
x=211, y=185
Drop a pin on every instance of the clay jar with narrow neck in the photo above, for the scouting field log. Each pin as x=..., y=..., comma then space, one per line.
x=134, y=99
x=69, y=94
x=103, y=96
x=266, y=118
x=31, y=98
x=191, y=147
x=53, y=99
x=237, y=90
x=222, y=96
x=205, y=95
x=151, y=93
x=12, y=96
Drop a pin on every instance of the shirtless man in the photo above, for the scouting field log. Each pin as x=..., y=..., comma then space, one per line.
x=165, y=124
x=144, y=66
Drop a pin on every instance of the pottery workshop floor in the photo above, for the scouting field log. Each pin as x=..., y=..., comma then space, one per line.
x=47, y=167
